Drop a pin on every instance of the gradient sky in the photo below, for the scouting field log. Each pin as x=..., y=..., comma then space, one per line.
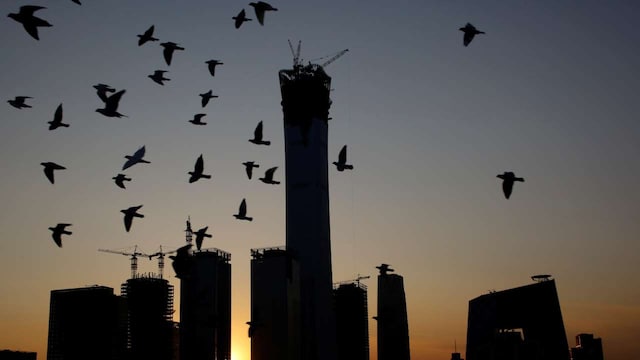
x=550, y=92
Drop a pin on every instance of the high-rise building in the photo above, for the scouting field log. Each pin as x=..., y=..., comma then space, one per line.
x=17, y=355
x=393, y=326
x=205, y=306
x=352, y=320
x=88, y=322
x=305, y=105
x=456, y=356
x=587, y=348
x=274, y=328
x=150, y=317
x=515, y=324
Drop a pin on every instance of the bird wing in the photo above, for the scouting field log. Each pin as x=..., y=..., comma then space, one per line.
x=139, y=154
x=48, y=172
x=507, y=188
x=167, y=52
x=269, y=173
x=57, y=117
x=112, y=102
x=212, y=68
x=342, y=157
x=260, y=14
x=32, y=29
x=249, y=169
x=128, y=218
x=257, y=133
x=199, y=238
x=468, y=36
x=242, y=211
x=57, y=238
x=28, y=10
x=199, y=168
x=22, y=98
x=149, y=33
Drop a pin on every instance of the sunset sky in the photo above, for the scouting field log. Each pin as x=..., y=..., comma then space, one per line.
x=550, y=92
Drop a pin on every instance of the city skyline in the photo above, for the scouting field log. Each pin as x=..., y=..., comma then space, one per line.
x=546, y=93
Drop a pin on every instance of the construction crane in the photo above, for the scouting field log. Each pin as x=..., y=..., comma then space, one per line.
x=296, y=54
x=188, y=231
x=297, y=61
x=134, y=258
x=334, y=58
x=356, y=280
x=160, y=255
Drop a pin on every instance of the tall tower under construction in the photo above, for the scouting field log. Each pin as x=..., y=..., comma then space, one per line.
x=393, y=327
x=305, y=105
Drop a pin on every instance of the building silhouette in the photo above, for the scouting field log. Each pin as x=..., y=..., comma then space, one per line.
x=515, y=324
x=587, y=348
x=352, y=320
x=205, y=306
x=17, y=355
x=149, y=301
x=274, y=328
x=305, y=105
x=88, y=321
x=393, y=326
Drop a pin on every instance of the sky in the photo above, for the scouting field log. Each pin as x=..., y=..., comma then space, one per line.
x=549, y=92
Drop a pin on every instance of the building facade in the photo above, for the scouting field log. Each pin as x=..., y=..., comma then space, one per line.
x=587, y=348
x=86, y=322
x=393, y=325
x=352, y=321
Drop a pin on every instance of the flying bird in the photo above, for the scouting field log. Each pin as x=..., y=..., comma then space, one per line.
x=200, y=235
x=508, y=178
x=30, y=22
x=260, y=7
x=257, y=136
x=169, y=48
x=49, y=167
x=58, y=231
x=206, y=97
x=182, y=262
x=197, y=119
x=240, y=18
x=197, y=172
x=111, y=105
x=129, y=214
x=77, y=2
x=158, y=77
x=102, y=90
x=268, y=177
x=248, y=167
x=242, y=212
x=57, y=119
x=147, y=36
x=212, y=66
x=341, y=164
x=470, y=32
x=18, y=102
x=120, y=179
x=135, y=158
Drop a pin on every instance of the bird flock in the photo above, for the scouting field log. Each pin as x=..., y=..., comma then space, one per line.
x=111, y=97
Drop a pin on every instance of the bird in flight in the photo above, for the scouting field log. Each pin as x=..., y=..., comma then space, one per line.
x=260, y=7
x=470, y=32
x=49, y=167
x=197, y=119
x=58, y=231
x=111, y=105
x=206, y=97
x=197, y=172
x=129, y=214
x=257, y=136
x=18, y=102
x=120, y=179
x=147, y=36
x=57, y=119
x=508, y=179
x=158, y=77
x=242, y=212
x=212, y=66
x=248, y=167
x=135, y=158
x=268, y=177
x=102, y=90
x=240, y=18
x=77, y=2
x=30, y=22
x=169, y=48
x=200, y=235
x=341, y=164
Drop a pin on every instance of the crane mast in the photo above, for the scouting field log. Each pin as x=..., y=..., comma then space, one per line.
x=133, y=256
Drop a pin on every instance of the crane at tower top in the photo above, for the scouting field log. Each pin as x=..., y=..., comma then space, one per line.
x=133, y=256
x=160, y=255
x=297, y=61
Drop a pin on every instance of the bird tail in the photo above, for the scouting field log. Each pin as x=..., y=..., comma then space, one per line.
x=145, y=161
x=249, y=218
x=266, y=142
x=348, y=167
x=138, y=215
x=205, y=176
x=67, y=232
x=518, y=179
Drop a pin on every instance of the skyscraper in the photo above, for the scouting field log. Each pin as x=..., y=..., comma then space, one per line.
x=205, y=307
x=305, y=105
x=275, y=305
x=393, y=326
x=587, y=348
x=520, y=323
x=86, y=322
x=150, y=317
x=352, y=320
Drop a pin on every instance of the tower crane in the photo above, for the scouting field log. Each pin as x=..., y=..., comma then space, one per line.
x=297, y=62
x=334, y=58
x=134, y=258
x=160, y=255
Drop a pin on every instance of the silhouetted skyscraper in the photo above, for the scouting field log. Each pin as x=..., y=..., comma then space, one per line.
x=17, y=355
x=83, y=320
x=587, y=348
x=456, y=356
x=205, y=307
x=150, y=317
x=520, y=323
x=352, y=321
x=275, y=305
x=305, y=105
x=393, y=326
